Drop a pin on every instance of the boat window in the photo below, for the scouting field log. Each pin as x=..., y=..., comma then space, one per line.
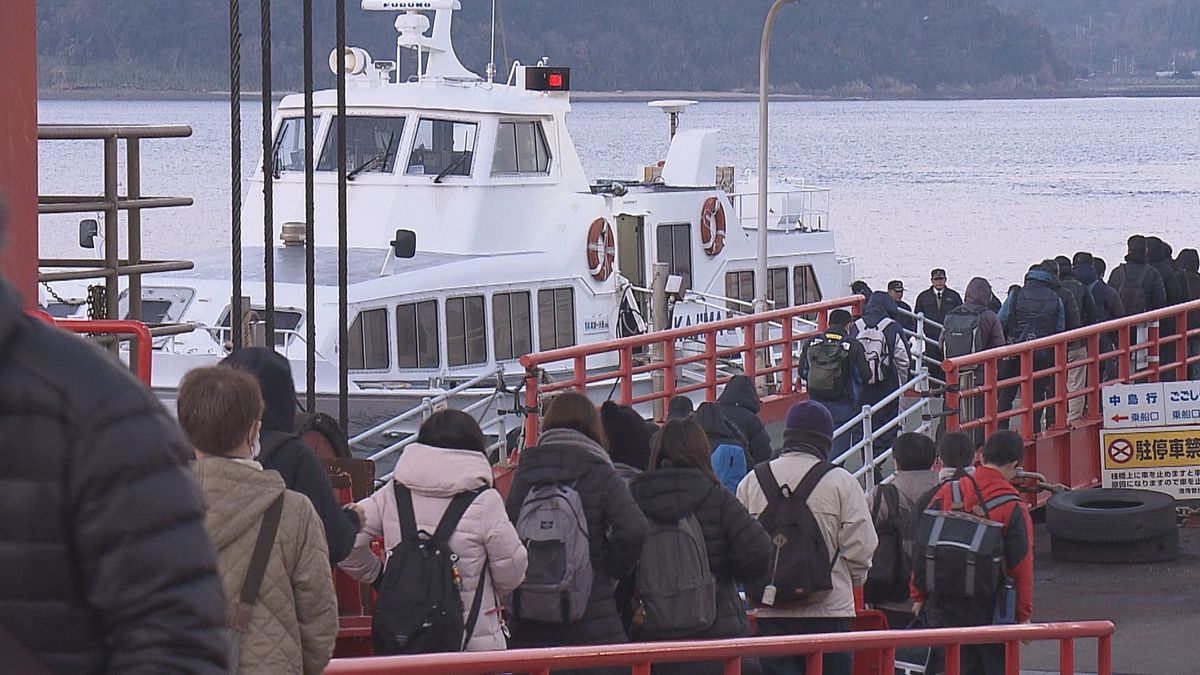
x=739, y=286
x=777, y=287
x=521, y=148
x=285, y=320
x=513, y=334
x=368, y=341
x=62, y=310
x=675, y=249
x=417, y=335
x=443, y=148
x=466, y=331
x=372, y=144
x=556, y=318
x=289, y=144
x=807, y=290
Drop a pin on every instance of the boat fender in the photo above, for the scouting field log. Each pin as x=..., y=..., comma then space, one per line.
x=712, y=226
x=601, y=249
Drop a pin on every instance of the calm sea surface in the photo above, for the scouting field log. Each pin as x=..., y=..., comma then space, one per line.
x=977, y=187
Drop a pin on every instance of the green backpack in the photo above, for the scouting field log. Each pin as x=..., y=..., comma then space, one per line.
x=828, y=361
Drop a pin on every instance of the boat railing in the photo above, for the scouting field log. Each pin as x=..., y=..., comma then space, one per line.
x=224, y=335
x=920, y=340
x=804, y=208
x=863, y=436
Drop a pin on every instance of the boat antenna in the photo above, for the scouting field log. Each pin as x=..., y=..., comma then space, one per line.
x=491, y=67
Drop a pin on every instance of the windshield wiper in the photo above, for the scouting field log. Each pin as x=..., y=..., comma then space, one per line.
x=369, y=164
x=452, y=166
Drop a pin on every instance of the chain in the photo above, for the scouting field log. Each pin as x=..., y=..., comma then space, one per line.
x=1186, y=512
x=57, y=298
x=97, y=305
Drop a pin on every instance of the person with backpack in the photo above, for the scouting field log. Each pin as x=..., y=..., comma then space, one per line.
x=1158, y=255
x=701, y=543
x=286, y=453
x=807, y=504
x=452, y=552
x=730, y=459
x=582, y=528
x=935, y=303
x=1089, y=270
x=1189, y=281
x=271, y=553
x=834, y=368
x=963, y=579
x=1031, y=312
x=739, y=404
x=969, y=328
x=888, y=362
x=895, y=508
x=1077, y=349
x=1138, y=285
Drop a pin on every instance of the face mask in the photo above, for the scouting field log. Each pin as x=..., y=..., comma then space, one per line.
x=255, y=448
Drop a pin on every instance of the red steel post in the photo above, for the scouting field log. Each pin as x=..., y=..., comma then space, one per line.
x=1104, y=655
x=1012, y=657
x=1066, y=655
x=953, y=660
x=18, y=145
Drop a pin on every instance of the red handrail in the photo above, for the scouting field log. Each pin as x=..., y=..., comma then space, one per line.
x=640, y=656
x=141, y=334
x=623, y=374
x=1068, y=449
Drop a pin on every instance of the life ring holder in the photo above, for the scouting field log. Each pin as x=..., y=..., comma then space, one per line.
x=601, y=249
x=712, y=226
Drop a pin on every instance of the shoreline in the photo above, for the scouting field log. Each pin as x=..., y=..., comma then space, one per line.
x=1162, y=90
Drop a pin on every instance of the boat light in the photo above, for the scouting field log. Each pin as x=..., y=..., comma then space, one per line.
x=547, y=78
x=355, y=60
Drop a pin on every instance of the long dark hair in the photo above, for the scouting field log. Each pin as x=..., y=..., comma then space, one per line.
x=577, y=412
x=683, y=445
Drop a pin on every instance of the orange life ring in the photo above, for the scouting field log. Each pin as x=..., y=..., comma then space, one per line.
x=712, y=226
x=601, y=249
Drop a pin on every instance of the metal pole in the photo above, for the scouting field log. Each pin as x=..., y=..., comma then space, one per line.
x=343, y=263
x=235, y=170
x=659, y=321
x=18, y=161
x=112, y=258
x=268, y=178
x=764, y=67
x=310, y=261
x=133, y=188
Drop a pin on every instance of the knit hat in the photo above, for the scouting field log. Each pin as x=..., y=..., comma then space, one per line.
x=809, y=428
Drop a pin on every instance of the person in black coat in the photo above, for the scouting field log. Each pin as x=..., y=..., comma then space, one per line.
x=935, y=303
x=285, y=452
x=681, y=483
x=571, y=450
x=107, y=567
x=740, y=405
x=628, y=435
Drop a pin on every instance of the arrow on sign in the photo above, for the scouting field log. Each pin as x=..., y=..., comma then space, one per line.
x=1120, y=418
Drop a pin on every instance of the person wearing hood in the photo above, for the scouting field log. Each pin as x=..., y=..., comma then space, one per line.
x=1158, y=256
x=681, y=483
x=889, y=363
x=1033, y=311
x=629, y=436
x=727, y=446
x=989, y=334
x=1139, y=285
x=1089, y=270
x=449, y=458
x=1076, y=349
x=570, y=451
x=841, y=512
x=740, y=405
x=840, y=392
x=293, y=623
x=1189, y=283
x=285, y=452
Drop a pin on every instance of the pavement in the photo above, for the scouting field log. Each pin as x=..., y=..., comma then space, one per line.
x=1154, y=607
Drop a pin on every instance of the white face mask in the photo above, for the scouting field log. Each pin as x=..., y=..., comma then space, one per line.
x=255, y=448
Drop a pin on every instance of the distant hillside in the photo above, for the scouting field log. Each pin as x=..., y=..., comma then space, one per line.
x=820, y=45
x=1125, y=36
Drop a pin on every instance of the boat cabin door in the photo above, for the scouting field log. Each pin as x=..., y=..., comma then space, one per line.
x=631, y=248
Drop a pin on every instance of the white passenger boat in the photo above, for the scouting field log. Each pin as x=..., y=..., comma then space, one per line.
x=517, y=250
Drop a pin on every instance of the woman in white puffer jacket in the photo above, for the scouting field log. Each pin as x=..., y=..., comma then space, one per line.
x=447, y=459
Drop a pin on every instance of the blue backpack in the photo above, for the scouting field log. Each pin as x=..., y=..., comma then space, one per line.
x=729, y=463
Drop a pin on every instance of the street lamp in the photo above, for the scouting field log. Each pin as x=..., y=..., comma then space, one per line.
x=764, y=66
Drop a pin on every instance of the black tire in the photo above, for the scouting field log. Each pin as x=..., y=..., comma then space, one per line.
x=1110, y=516
x=1161, y=548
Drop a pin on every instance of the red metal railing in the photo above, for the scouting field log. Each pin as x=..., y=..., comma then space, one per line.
x=1066, y=451
x=622, y=376
x=141, y=334
x=641, y=656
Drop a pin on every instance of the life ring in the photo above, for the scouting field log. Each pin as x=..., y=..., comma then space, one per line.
x=601, y=249
x=712, y=226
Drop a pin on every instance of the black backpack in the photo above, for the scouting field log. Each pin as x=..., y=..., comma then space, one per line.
x=891, y=566
x=959, y=553
x=800, y=564
x=419, y=609
x=1133, y=293
x=827, y=359
x=960, y=332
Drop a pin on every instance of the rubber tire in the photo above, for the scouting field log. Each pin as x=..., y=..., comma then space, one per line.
x=1149, y=514
x=1162, y=548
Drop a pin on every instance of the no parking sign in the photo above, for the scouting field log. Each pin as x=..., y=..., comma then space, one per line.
x=1151, y=438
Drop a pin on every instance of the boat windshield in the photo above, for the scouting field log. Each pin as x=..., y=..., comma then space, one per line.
x=443, y=148
x=289, y=144
x=372, y=144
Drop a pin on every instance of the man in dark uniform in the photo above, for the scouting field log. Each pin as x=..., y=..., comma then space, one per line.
x=935, y=303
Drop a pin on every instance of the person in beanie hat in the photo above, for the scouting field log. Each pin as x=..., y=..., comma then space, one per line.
x=841, y=512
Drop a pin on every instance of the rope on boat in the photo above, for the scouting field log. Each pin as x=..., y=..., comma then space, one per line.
x=343, y=263
x=309, y=235
x=235, y=168
x=268, y=176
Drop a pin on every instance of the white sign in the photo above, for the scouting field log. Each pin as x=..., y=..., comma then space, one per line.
x=1182, y=400
x=1134, y=405
x=1166, y=459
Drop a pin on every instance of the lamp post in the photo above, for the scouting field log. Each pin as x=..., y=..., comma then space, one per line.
x=764, y=66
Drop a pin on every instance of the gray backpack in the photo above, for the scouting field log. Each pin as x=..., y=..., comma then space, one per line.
x=558, y=582
x=678, y=592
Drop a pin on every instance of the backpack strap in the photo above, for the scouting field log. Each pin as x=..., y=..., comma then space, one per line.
x=956, y=499
x=476, y=605
x=454, y=513
x=891, y=494
x=766, y=480
x=404, y=509
x=997, y=502
x=814, y=476
x=258, y=566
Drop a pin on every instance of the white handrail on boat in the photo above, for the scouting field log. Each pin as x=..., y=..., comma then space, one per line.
x=428, y=404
